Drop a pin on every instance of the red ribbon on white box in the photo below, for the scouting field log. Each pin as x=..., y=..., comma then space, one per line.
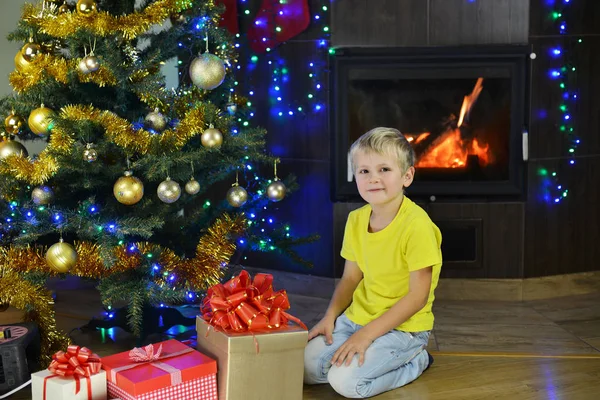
x=147, y=355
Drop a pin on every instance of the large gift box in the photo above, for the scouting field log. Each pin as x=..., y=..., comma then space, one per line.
x=167, y=370
x=245, y=328
x=73, y=375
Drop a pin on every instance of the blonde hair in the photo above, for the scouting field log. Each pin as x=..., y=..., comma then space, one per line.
x=385, y=141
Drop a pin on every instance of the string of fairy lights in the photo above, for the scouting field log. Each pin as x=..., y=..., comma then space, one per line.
x=283, y=100
x=562, y=72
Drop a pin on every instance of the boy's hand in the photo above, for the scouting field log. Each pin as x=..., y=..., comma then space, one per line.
x=323, y=327
x=358, y=343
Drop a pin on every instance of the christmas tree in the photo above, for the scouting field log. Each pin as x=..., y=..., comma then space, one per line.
x=146, y=188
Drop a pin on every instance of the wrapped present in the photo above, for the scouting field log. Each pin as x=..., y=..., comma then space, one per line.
x=166, y=370
x=75, y=375
x=245, y=327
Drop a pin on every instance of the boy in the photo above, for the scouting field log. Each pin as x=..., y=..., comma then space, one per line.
x=393, y=260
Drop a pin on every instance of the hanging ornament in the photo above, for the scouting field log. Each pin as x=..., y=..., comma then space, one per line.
x=31, y=50
x=91, y=63
x=42, y=195
x=192, y=186
x=237, y=195
x=86, y=7
x=168, y=191
x=13, y=123
x=61, y=257
x=128, y=189
x=231, y=106
x=64, y=8
x=10, y=147
x=90, y=154
x=178, y=18
x=211, y=137
x=207, y=71
x=21, y=63
x=276, y=190
x=83, y=66
x=40, y=119
x=155, y=121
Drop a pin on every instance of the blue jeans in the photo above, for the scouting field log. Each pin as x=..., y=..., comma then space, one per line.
x=393, y=360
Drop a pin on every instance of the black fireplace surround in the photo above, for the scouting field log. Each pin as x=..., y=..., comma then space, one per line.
x=479, y=153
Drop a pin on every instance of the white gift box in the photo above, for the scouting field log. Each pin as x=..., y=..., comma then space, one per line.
x=64, y=388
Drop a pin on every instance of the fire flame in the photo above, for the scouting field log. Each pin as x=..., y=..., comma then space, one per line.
x=450, y=150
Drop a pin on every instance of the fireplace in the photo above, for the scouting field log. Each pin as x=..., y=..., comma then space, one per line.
x=463, y=109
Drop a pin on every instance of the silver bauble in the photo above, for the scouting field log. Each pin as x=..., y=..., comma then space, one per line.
x=42, y=195
x=276, y=191
x=155, y=121
x=168, y=191
x=207, y=71
x=237, y=196
x=10, y=147
x=91, y=62
x=192, y=186
x=231, y=108
x=83, y=66
x=90, y=154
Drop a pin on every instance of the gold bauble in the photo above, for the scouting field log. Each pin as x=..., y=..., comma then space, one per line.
x=40, y=119
x=90, y=154
x=212, y=137
x=13, y=124
x=42, y=195
x=10, y=147
x=177, y=18
x=61, y=257
x=276, y=191
x=207, y=71
x=128, y=189
x=31, y=50
x=91, y=63
x=86, y=7
x=237, y=196
x=21, y=63
x=64, y=9
x=156, y=121
x=168, y=191
x=192, y=186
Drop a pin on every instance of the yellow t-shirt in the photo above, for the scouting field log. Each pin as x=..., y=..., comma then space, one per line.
x=409, y=243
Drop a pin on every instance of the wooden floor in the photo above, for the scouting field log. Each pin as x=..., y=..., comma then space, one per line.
x=494, y=377
x=543, y=349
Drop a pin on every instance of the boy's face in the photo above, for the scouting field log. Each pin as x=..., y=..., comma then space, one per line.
x=379, y=178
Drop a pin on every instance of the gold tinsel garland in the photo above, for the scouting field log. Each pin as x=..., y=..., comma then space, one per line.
x=57, y=68
x=120, y=132
x=102, y=23
x=45, y=166
x=204, y=270
x=38, y=306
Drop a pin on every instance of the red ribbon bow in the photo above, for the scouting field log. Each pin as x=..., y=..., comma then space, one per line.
x=77, y=362
x=241, y=305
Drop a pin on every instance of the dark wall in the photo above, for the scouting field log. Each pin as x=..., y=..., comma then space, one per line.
x=410, y=23
x=563, y=238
